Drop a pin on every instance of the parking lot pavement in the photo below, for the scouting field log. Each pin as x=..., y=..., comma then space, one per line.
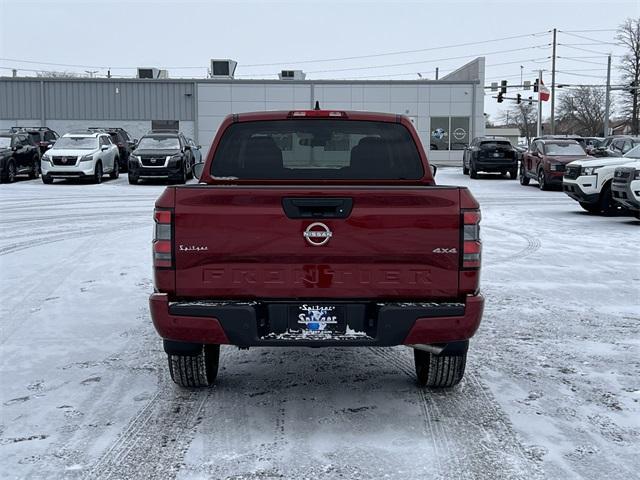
x=552, y=388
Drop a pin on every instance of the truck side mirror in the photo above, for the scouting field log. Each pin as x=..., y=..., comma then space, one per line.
x=198, y=168
x=434, y=169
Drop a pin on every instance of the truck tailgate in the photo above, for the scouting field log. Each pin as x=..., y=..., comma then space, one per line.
x=237, y=242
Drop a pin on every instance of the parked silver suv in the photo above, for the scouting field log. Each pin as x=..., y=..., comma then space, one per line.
x=81, y=155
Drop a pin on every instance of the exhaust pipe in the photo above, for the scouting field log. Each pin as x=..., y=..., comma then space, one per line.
x=428, y=348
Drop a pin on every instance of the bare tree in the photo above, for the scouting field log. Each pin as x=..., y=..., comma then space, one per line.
x=581, y=111
x=629, y=37
x=522, y=116
x=53, y=74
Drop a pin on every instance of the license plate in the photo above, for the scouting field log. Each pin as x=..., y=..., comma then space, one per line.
x=317, y=318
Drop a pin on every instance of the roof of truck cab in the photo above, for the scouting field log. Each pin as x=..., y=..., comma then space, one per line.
x=290, y=115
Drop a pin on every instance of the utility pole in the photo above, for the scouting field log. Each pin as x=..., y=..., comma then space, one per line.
x=437, y=73
x=607, y=98
x=553, y=85
x=539, y=129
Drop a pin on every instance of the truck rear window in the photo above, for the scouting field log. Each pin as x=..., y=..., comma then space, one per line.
x=316, y=149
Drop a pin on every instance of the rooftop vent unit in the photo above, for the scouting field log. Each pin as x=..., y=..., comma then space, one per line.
x=144, y=72
x=292, y=75
x=223, y=68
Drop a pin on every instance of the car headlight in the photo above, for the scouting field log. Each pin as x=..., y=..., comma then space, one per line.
x=135, y=158
x=47, y=158
x=636, y=176
x=87, y=158
x=554, y=167
x=590, y=170
x=175, y=158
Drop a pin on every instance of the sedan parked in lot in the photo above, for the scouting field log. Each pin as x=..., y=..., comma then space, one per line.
x=490, y=154
x=162, y=155
x=546, y=161
x=18, y=156
x=81, y=155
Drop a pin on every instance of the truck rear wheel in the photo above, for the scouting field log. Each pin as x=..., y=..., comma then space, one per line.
x=524, y=180
x=198, y=370
x=439, y=371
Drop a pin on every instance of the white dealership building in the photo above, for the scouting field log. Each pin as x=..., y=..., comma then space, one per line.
x=447, y=112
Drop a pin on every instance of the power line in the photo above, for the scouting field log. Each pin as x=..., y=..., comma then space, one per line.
x=586, y=38
x=404, y=63
x=582, y=49
x=402, y=52
x=588, y=31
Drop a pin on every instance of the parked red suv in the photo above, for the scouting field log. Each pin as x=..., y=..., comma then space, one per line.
x=318, y=229
x=546, y=159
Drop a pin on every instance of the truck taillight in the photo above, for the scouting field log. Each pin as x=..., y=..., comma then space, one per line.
x=163, y=238
x=471, y=245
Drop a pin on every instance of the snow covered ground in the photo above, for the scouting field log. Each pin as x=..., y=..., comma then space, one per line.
x=552, y=388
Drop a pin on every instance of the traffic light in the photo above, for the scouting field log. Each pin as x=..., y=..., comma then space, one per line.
x=530, y=100
x=500, y=97
x=535, y=85
x=518, y=98
x=503, y=86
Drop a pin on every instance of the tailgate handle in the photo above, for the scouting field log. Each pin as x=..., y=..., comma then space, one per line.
x=317, y=207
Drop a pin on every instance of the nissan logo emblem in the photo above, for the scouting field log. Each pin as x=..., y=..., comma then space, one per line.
x=317, y=234
x=64, y=159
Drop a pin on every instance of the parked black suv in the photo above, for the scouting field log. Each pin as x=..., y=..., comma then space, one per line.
x=18, y=156
x=490, y=154
x=161, y=155
x=43, y=137
x=122, y=140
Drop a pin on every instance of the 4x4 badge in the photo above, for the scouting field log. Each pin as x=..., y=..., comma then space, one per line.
x=444, y=250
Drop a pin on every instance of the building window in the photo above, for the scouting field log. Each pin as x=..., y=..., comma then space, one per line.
x=449, y=133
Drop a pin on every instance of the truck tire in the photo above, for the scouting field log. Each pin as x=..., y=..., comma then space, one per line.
x=542, y=180
x=47, y=180
x=606, y=203
x=10, y=173
x=513, y=174
x=97, y=173
x=198, y=370
x=115, y=172
x=439, y=371
x=524, y=180
x=35, y=170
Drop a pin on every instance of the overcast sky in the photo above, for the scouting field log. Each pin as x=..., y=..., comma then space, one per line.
x=95, y=35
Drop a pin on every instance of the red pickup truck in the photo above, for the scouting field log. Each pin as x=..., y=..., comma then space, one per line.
x=319, y=229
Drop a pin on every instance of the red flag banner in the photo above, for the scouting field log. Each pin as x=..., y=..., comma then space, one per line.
x=543, y=92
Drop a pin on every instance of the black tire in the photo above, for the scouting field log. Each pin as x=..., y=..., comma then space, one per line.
x=10, y=172
x=133, y=180
x=97, y=173
x=439, y=371
x=542, y=180
x=473, y=173
x=524, y=180
x=513, y=174
x=115, y=173
x=35, y=170
x=606, y=204
x=465, y=170
x=47, y=180
x=199, y=370
x=182, y=179
x=590, y=207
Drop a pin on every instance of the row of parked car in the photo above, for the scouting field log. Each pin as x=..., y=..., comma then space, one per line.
x=95, y=152
x=602, y=175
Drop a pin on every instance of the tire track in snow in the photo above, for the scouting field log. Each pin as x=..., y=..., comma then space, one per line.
x=533, y=245
x=468, y=418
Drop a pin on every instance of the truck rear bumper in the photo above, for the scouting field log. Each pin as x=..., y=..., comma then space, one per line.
x=248, y=324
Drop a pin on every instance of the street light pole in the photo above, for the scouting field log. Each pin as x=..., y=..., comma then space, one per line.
x=553, y=85
x=607, y=98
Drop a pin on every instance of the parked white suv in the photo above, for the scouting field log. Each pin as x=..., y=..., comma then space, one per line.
x=81, y=155
x=626, y=186
x=589, y=181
